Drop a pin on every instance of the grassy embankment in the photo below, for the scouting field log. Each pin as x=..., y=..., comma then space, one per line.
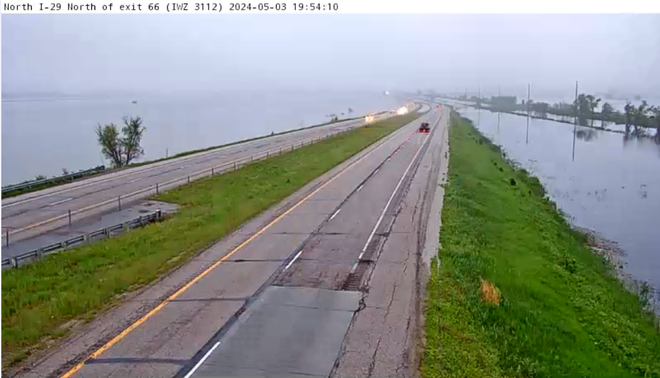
x=40, y=299
x=54, y=183
x=517, y=292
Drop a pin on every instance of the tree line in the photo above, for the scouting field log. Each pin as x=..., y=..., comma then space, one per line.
x=584, y=108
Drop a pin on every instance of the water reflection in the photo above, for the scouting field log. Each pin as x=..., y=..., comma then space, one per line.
x=587, y=134
x=603, y=179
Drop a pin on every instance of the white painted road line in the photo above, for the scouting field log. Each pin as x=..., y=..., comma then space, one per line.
x=396, y=189
x=62, y=201
x=293, y=260
x=360, y=188
x=113, y=176
x=198, y=364
x=139, y=191
x=335, y=214
x=134, y=180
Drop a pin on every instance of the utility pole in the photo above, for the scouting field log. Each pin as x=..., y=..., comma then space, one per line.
x=499, y=94
x=479, y=108
x=575, y=108
x=529, y=89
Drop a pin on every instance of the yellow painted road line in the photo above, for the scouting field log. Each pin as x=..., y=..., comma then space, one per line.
x=155, y=310
x=140, y=191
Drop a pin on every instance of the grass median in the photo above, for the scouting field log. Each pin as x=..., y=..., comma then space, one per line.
x=517, y=292
x=58, y=182
x=41, y=301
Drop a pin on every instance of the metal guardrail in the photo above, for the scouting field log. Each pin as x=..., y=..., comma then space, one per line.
x=158, y=187
x=29, y=184
x=82, y=239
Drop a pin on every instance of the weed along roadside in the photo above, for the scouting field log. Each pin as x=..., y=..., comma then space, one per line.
x=43, y=300
x=517, y=292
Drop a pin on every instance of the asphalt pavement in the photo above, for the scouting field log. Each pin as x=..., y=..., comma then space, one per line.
x=32, y=214
x=278, y=296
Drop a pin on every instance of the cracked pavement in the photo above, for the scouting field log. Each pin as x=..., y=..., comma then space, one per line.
x=369, y=212
x=382, y=340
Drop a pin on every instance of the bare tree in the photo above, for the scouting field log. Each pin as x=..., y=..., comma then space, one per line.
x=108, y=138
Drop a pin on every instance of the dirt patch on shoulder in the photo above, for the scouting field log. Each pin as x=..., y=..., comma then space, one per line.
x=490, y=293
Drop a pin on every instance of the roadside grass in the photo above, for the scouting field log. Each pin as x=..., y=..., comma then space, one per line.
x=558, y=310
x=46, y=185
x=41, y=301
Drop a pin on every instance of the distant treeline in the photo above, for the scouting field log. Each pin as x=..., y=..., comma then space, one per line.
x=640, y=116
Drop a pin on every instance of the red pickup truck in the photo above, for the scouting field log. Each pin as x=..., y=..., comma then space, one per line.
x=424, y=127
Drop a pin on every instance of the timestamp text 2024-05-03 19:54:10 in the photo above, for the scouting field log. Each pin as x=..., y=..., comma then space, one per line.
x=170, y=7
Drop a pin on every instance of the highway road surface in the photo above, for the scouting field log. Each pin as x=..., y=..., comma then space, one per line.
x=323, y=284
x=34, y=213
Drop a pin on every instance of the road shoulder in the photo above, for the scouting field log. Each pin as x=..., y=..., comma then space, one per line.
x=383, y=336
x=89, y=337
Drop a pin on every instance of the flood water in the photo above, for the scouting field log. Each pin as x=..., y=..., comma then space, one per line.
x=42, y=136
x=612, y=185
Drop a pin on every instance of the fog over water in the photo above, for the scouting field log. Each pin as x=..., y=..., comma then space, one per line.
x=202, y=80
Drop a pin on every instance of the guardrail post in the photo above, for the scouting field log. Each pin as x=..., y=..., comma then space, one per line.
x=6, y=237
x=212, y=171
x=85, y=238
x=266, y=154
x=156, y=188
x=40, y=253
x=107, y=232
x=119, y=202
x=158, y=214
x=63, y=244
x=125, y=226
x=13, y=262
x=188, y=179
x=69, y=218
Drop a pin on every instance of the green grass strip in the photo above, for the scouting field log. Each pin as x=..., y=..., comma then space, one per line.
x=561, y=311
x=38, y=299
x=54, y=183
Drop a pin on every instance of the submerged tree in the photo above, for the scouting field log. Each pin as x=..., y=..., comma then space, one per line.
x=592, y=103
x=640, y=113
x=607, y=111
x=121, y=150
x=585, y=105
x=629, y=110
x=655, y=116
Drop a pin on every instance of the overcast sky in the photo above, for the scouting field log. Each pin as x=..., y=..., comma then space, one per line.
x=199, y=53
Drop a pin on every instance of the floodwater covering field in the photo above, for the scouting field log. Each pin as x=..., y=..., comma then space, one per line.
x=610, y=182
x=40, y=136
